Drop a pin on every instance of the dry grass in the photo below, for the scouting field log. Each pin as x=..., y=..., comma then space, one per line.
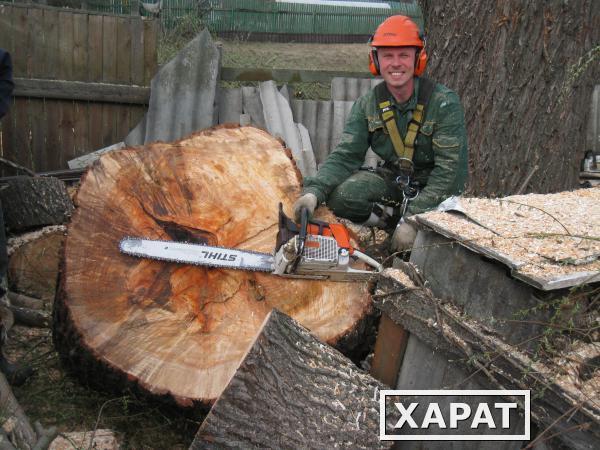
x=54, y=397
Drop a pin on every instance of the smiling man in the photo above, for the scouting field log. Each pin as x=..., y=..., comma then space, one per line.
x=415, y=125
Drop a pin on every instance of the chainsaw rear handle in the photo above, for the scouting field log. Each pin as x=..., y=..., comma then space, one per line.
x=367, y=259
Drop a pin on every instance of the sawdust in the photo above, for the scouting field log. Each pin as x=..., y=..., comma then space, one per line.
x=542, y=235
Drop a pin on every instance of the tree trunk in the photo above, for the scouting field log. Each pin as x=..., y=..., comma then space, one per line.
x=292, y=392
x=525, y=72
x=176, y=330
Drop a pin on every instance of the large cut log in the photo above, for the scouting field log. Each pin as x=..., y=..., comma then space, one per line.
x=177, y=330
x=291, y=391
x=29, y=202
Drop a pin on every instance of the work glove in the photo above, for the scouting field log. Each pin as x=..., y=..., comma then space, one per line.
x=403, y=237
x=308, y=201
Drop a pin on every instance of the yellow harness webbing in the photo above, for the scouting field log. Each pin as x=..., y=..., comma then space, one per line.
x=404, y=149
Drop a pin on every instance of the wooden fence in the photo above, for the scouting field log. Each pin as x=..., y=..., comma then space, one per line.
x=79, y=81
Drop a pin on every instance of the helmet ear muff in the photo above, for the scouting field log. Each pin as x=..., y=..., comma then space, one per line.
x=421, y=62
x=373, y=62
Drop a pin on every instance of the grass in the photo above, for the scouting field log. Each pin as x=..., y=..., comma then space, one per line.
x=53, y=397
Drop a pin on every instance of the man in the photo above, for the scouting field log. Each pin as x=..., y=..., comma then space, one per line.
x=415, y=125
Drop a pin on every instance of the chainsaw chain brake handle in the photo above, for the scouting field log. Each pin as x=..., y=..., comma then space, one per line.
x=288, y=229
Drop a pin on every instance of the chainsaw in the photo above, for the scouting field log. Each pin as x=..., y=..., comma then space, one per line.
x=313, y=250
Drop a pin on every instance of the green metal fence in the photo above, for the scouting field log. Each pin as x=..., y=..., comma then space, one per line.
x=269, y=17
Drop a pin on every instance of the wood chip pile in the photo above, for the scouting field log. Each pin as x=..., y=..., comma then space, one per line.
x=545, y=237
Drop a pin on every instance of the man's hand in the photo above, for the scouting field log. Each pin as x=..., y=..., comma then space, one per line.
x=403, y=237
x=308, y=201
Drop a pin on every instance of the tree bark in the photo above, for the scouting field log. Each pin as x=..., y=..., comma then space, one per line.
x=291, y=391
x=175, y=330
x=525, y=72
x=29, y=202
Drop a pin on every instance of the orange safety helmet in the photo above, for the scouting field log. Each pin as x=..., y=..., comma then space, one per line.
x=398, y=31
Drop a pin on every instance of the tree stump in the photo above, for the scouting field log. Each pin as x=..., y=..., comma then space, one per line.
x=173, y=330
x=291, y=391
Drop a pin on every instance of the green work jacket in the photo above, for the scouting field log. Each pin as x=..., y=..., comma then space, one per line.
x=440, y=156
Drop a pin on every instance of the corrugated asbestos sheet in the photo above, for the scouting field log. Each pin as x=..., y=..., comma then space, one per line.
x=268, y=108
x=322, y=121
x=349, y=89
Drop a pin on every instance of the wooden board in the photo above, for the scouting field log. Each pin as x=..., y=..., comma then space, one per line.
x=550, y=241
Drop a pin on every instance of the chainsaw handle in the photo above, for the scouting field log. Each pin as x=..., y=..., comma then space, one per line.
x=301, y=241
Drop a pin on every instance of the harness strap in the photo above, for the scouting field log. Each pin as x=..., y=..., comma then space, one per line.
x=405, y=149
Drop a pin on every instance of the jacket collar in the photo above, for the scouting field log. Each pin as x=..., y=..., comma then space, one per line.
x=408, y=105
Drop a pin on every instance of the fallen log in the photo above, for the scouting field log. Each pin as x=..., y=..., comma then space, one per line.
x=29, y=202
x=24, y=301
x=291, y=391
x=174, y=330
x=31, y=317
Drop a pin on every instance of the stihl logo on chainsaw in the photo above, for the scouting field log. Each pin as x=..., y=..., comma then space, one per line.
x=218, y=256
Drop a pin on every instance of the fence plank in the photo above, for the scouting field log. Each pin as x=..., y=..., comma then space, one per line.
x=95, y=48
x=51, y=43
x=137, y=51
x=123, y=54
x=66, y=130
x=65, y=46
x=150, y=39
x=6, y=28
x=66, y=111
x=95, y=126
x=123, y=123
x=109, y=124
x=36, y=42
x=20, y=52
x=80, y=47
x=109, y=49
x=37, y=122
x=81, y=129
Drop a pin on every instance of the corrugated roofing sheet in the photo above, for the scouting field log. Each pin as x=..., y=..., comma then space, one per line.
x=349, y=89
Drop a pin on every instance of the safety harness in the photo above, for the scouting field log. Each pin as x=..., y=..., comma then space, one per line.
x=405, y=148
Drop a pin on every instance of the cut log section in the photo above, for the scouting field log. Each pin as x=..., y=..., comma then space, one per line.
x=178, y=330
x=29, y=202
x=33, y=265
x=291, y=391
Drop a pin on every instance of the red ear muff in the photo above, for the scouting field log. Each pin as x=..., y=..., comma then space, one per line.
x=421, y=62
x=373, y=62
